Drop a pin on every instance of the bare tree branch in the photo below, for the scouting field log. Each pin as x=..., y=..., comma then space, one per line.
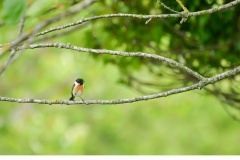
x=204, y=82
x=149, y=17
x=119, y=53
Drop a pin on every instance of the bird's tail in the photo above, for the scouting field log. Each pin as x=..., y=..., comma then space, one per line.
x=71, y=98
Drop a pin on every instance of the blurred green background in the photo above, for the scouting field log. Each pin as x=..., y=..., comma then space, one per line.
x=187, y=123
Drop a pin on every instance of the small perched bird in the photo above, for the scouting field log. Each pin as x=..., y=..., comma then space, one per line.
x=77, y=89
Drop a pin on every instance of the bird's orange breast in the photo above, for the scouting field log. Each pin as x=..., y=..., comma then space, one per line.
x=79, y=88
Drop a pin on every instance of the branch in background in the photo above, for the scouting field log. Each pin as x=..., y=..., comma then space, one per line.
x=33, y=32
x=89, y=2
x=231, y=99
x=119, y=53
x=200, y=84
x=13, y=51
x=149, y=17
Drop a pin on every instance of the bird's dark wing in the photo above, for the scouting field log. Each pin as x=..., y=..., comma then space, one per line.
x=72, y=89
x=72, y=98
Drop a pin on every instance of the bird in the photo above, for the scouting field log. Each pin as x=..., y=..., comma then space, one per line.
x=77, y=89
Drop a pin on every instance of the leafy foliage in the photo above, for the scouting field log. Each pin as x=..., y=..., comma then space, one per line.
x=13, y=11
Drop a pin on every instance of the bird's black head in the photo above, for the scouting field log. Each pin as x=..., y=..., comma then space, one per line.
x=80, y=81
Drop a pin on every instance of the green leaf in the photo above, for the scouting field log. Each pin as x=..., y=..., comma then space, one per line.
x=39, y=7
x=13, y=10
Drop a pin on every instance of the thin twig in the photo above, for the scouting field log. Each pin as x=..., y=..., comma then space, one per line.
x=57, y=34
x=22, y=22
x=148, y=20
x=183, y=7
x=3, y=68
x=166, y=7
